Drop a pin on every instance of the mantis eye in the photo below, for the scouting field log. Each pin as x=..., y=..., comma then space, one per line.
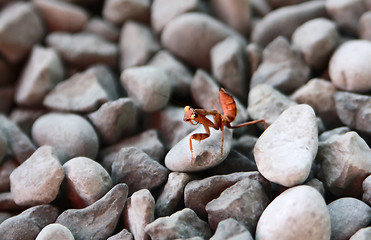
x=195, y=115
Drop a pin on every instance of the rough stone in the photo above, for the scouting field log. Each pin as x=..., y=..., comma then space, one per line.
x=364, y=27
x=123, y=235
x=8, y=204
x=6, y=168
x=6, y=96
x=102, y=28
x=254, y=55
x=119, y=11
x=55, y=231
x=362, y=234
x=230, y=229
x=336, y=131
x=366, y=186
x=3, y=146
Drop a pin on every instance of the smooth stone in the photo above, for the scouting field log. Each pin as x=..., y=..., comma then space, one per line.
x=348, y=67
x=138, y=170
x=230, y=229
x=362, y=234
x=284, y=153
x=6, y=168
x=97, y=221
x=4, y=216
x=42, y=72
x=364, y=27
x=55, y=231
x=28, y=224
x=102, y=28
x=148, y=86
x=345, y=161
x=348, y=215
x=139, y=212
x=366, y=186
x=86, y=181
x=25, y=118
x=8, y=204
x=298, y=213
x=206, y=153
x=318, y=185
x=37, y=180
x=123, y=235
x=115, y=119
x=336, y=131
x=119, y=11
x=182, y=224
x=70, y=134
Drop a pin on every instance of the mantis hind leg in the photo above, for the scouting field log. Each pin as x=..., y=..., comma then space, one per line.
x=199, y=137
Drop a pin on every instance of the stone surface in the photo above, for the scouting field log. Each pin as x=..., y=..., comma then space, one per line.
x=37, y=180
x=6, y=168
x=123, y=235
x=6, y=96
x=254, y=55
x=70, y=134
x=3, y=145
x=55, y=231
x=139, y=212
x=230, y=229
x=318, y=185
x=336, y=131
x=284, y=153
x=138, y=170
x=86, y=181
x=345, y=162
x=300, y=209
x=148, y=86
x=182, y=224
x=99, y=220
x=28, y=224
x=25, y=118
x=362, y=234
x=42, y=72
x=364, y=27
x=348, y=67
x=102, y=28
x=366, y=186
x=8, y=204
x=119, y=11
x=282, y=67
x=348, y=215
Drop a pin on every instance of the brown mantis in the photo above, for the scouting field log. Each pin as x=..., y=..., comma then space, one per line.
x=195, y=116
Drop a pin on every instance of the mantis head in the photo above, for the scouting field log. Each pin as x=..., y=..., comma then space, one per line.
x=190, y=115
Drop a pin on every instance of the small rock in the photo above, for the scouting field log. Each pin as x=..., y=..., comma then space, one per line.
x=336, y=131
x=119, y=11
x=6, y=168
x=6, y=96
x=280, y=3
x=84, y=92
x=354, y=110
x=25, y=118
x=316, y=39
x=15, y=21
x=366, y=186
x=123, y=235
x=282, y=67
x=3, y=146
x=55, y=15
x=254, y=55
x=102, y=28
x=182, y=224
x=82, y=50
x=245, y=145
x=345, y=162
x=362, y=234
x=28, y=224
x=244, y=201
x=97, y=221
x=55, y=231
x=171, y=196
x=230, y=229
x=317, y=184
x=284, y=153
x=4, y=216
x=8, y=204
x=138, y=170
x=137, y=45
x=364, y=26
x=42, y=72
x=191, y=36
x=7, y=72
x=139, y=212
x=348, y=67
x=348, y=215
x=70, y=134
x=274, y=24
x=115, y=119
x=86, y=181
x=37, y=180
x=148, y=86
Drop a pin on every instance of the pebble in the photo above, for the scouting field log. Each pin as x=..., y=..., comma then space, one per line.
x=86, y=181
x=265, y=102
x=25, y=118
x=206, y=153
x=4, y=216
x=83, y=92
x=28, y=224
x=244, y=201
x=354, y=110
x=70, y=134
x=115, y=119
x=345, y=162
x=282, y=67
x=182, y=224
x=97, y=221
x=138, y=170
x=6, y=168
x=364, y=26
x=254, y=56
x=139, y=212
x=15, y=42
x=171, y=197
x=6, y=96
x=284, y=153
x=137, y=45
x=55, y=231
x=7, y=73
x=119, y=11
x=362, y=234
x=102, y=28
x=123, y=235
x=3, y=146
x=55, y=15
x=336, y=131
x=348, y=215
x=37, y=180
x=229, y=67
x=191, y=36
x=230, y=229
x=7, y=203
x=42, y=72
x=366, y=186
x=83, y=50
x=316, y=40
x=274, y=24
x=348, y=67
x=305, y=216
x=148, y=86
x=318, y=185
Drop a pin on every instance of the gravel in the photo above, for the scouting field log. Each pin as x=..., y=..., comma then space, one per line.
x=92, y=139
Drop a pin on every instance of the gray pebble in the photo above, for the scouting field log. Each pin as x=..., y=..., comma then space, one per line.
x=364, y=27
x=55, y=231
x=254, y=55
x=102, y=28
x=3, y=145
x=230, y=229
x=123, y=235
x=25, y=118
x=336, y=131
x=366, y=186
x=362, y=234
x=6, y=168
x=119, y=11
x=318, y=185
x=8, y=204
